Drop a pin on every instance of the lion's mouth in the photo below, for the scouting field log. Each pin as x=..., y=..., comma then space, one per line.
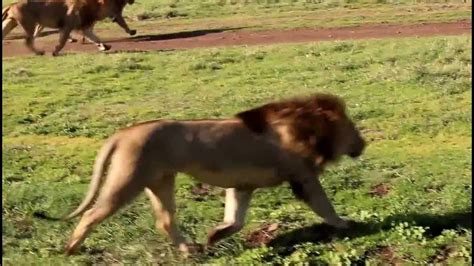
x=358, y=148
x=355, y=154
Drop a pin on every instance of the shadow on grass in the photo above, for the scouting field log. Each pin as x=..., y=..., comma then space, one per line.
x=324, y=233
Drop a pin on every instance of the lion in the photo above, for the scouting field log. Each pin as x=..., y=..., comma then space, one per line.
x=119, y=20
x=287, y=141
x=65, y=15
x=38, y=28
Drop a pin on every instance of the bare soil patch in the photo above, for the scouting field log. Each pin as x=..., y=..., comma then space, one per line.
x=234, y=37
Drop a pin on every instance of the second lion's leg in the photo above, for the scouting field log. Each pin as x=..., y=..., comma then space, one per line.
x=123, y=24
x=63, y=37
x=236, y=204
x=94, y=39
x=29, y=28
x=38, y=30
x=71, y=39
x=7, y=26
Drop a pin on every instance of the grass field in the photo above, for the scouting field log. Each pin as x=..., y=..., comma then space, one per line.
x=165, y=16
x=412, y=188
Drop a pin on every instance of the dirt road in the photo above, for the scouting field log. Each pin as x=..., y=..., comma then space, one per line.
x=232, y=37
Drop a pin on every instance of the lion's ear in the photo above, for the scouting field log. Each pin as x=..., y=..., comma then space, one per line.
x=254, y=119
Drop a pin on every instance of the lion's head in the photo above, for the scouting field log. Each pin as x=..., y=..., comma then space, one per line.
x=316, y=126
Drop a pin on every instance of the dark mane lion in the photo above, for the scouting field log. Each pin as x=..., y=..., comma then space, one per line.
x=65, y=15
x=285, y=141
x=315, y=126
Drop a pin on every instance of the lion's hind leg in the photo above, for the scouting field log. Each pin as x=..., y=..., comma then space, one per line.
x=29, y=28
x=121, y=186
x=162, y=197
x=7, y=26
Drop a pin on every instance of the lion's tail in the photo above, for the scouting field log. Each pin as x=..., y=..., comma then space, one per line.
x=101, y=162
x=8, y=23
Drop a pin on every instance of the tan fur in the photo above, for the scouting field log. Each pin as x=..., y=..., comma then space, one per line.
x=65, y=15
x=5, y=12
x=287, y=141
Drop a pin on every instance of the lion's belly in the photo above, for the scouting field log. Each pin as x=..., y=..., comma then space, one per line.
x=248, y=177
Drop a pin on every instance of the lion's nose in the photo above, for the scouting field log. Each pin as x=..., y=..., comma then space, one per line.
x=358, y=148
x=355, y=154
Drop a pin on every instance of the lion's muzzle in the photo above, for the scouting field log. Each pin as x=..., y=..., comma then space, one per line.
x=357, y=148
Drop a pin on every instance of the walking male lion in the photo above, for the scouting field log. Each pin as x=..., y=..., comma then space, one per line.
x=65, y=15
x=287, y=141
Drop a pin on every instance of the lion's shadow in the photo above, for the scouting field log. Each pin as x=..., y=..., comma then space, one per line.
x=144, y=37
x=318, y=233
x=180, y=35
x=322, y=233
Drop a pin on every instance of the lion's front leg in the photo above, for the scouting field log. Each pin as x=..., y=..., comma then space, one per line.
x=236, y=204
x=63, y=37
x=312, y=193
x=123, y=24
x=96, y=40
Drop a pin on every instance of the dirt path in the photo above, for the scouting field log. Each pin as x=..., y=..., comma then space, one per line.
x=231, y=37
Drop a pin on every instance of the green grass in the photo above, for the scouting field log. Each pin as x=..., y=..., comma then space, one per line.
x=411, y=97
x=290, y=14
x=160, y=16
